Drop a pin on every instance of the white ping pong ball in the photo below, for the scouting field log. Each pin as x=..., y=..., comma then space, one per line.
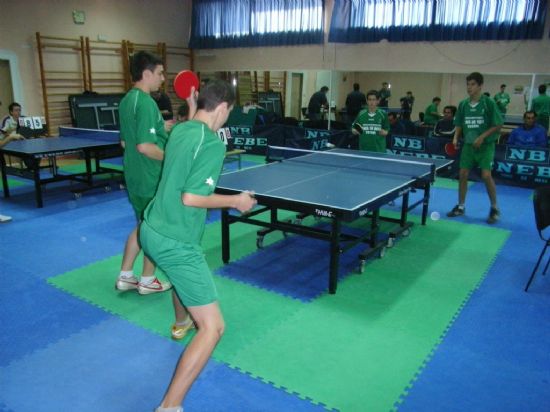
x=435, y=215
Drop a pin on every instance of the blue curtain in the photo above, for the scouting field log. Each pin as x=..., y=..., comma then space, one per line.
x=359, y=21
x=249, y=23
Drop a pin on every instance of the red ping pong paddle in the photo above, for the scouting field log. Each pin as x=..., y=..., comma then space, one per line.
x=184, y=82
x=450, y=149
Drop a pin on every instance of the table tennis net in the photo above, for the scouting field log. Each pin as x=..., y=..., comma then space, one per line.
x=363, y=161
x=106, y=135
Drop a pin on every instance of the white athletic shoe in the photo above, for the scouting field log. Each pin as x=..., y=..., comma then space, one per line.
x=5, y=219
x=126, y=283
x=154, y=287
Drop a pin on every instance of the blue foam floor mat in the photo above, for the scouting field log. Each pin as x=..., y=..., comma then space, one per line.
x=495, y=356
x=35, y=314
x=309, y=277
x=88, y=376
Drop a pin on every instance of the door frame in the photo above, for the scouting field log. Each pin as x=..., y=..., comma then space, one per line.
x=15, y=75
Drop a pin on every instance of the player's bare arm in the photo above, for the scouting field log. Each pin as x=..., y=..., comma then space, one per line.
x=243, y=202
x=150, y=150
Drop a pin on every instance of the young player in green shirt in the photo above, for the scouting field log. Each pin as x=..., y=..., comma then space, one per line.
x=372, y=125
x=478, y=121
x=143, y=134
x=431, y=114
x=502, y=99
x=174, y=223
x=541, y=106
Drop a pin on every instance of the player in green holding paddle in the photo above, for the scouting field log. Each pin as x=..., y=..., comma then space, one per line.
x=372, y=125
x=174, y=223
x=502, y=99
x=478, y=121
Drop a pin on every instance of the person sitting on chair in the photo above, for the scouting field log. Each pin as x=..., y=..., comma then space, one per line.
x=530, y=134
x=445, y=127
x=396, y=127
x=10, y=123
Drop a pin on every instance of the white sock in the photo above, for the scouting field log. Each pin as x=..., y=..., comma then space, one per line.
x=126, y=273
x=146, y=280
x=461, y=205
x=185, y=322
x=173, y=409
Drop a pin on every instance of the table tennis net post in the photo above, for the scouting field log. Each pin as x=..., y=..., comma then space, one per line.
x=363, y=161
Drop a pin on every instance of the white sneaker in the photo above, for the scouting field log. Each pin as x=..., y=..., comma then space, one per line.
x=126, y=283
x=154, y=287
x=5, y=219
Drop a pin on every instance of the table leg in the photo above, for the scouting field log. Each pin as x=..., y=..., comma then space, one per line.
x=425, y=203
x=334, y=255
x=4, y=176
x=37, y=184
x=225, y=236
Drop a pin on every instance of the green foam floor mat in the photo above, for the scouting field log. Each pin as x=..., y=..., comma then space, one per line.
x=357, y=350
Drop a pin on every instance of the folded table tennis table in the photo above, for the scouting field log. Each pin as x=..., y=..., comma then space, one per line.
x=341, y=185
x=89, y=143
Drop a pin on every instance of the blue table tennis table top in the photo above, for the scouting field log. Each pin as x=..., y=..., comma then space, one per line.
x=336, y=179
x=70, y=139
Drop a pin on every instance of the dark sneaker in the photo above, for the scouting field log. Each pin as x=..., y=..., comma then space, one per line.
x=457, y=211
x=494, y=215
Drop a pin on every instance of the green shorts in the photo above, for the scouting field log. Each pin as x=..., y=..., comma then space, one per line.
x=184, y=265
x=139, y=203
x=482, y=157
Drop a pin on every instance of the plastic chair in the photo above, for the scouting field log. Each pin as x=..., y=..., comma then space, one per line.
x=541, y=204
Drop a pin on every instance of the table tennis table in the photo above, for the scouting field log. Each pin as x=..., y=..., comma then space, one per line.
x=340, y=184
x=88, y=143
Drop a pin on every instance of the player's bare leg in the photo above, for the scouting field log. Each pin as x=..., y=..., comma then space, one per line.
x=210, y=325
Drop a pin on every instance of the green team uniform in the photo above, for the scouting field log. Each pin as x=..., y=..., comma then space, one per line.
x=502, y=100
x=171, y=232
x=140, y=122
x=541, y=106
x=475, y=120
x=371, y=123
x=430, y=118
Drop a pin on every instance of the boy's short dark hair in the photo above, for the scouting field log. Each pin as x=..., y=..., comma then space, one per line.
x=393, y=114
x=502, y=85
x=142, y=61
x=542, y=89
x=324, y=89
x=476, y=77
x=13, y=106
x=529, y=112
x=213, y=94
x=451, y=108
x=436, y=99
x=356, y=86
x=372, y=93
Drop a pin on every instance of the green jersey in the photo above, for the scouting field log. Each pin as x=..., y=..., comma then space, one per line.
x=141, y=122
x=502, y=100
x=371, y=124
x=474, y=119
x=541, y=105
x=429, y=118
x=192, y=164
